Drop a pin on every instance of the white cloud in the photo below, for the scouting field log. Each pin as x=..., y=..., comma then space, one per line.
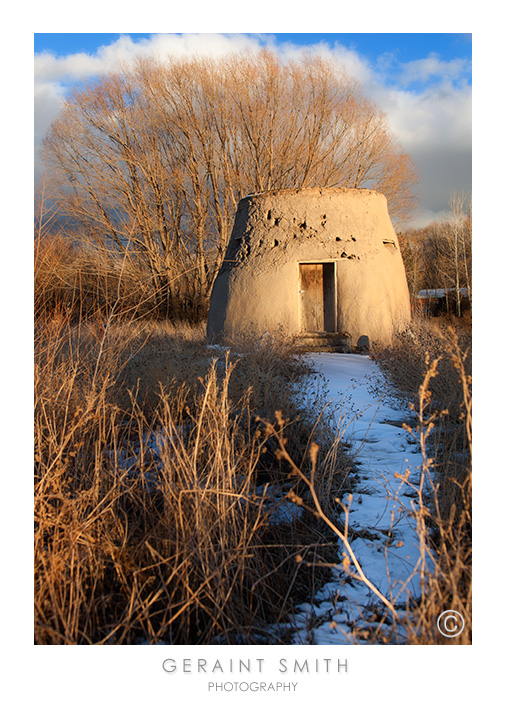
x=433, y=124
x=435, y=127
x=431, y=67
x=348, y=59
x=48, y=67
x=441, y=115
x=47, y=98
x=52, y=73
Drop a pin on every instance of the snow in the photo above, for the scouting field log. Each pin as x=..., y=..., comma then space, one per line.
x=367, y=414
x=381, y=509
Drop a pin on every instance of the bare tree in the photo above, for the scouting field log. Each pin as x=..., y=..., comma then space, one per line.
x=461, y=235
x=152, y=160
x=438, y=256
x=455, y=250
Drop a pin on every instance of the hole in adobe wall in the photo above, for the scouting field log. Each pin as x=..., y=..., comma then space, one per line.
x=277, y=220
x=275, y=243
x=269, y=215
x=338, y=238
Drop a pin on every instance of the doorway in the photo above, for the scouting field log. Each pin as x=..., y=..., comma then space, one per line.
x=317, y=297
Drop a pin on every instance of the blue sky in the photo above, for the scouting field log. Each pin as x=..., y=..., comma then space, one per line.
x=408, y=46
x=422, y=81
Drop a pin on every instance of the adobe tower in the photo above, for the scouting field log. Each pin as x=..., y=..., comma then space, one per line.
x=312, y=262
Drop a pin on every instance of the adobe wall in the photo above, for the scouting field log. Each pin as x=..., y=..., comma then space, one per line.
x=257, y=287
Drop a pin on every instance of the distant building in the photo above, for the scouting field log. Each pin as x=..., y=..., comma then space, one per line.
x=436, y=301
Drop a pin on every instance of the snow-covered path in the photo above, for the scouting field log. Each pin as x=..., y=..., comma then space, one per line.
x=380, y=511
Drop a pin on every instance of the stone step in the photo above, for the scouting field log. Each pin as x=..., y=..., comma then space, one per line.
x=323, y=342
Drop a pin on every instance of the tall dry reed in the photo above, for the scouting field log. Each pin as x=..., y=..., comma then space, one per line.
x=158, y=495
x=431, y=363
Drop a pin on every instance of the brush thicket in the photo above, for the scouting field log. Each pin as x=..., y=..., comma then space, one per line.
x=155, y=518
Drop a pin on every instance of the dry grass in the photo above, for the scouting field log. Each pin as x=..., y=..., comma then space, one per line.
x=153, y=518
x=155, y=475
x=441, y=347
x=85, y=283
x=442, y=511
x=431, y=363
x=406, y=361
x=157, y=460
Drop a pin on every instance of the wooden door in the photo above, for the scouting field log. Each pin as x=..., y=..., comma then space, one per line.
x=311, y=297
x=317, y=297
